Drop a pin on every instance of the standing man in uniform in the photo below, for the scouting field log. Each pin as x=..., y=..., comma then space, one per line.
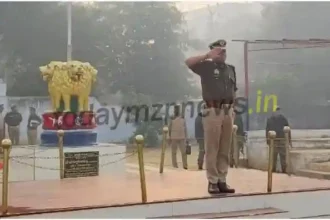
x=13, y=119
x=199, y=135
x=32, y=126
x=177, y=132
x=276, y=122
x=2, y=125
x=218, y=81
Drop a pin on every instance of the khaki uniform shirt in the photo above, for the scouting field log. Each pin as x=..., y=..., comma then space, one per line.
x=178, y=129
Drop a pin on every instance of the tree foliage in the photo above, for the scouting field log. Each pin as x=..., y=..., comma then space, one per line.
x=136, y=47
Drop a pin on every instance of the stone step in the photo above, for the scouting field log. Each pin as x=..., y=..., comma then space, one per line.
x=235, y=214
x=319, y=166
x=313, y=174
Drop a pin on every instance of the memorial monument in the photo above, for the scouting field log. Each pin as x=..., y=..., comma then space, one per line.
x=69, y=87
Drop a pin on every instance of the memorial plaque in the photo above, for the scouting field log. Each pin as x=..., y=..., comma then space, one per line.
x=81, y=164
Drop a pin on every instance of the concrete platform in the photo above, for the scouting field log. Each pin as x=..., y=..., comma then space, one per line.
x=319, y=170
x=301, y=155
x=33, y=197
x=320, y=166
x=314, y=174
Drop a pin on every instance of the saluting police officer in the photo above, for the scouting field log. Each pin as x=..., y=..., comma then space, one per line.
x=218, y=81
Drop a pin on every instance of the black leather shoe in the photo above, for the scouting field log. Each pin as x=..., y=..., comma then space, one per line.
x=200, y=167
x=213, y=188
x=224, y=188
x=186, y=168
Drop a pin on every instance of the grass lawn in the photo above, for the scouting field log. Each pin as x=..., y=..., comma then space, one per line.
x=152, y=157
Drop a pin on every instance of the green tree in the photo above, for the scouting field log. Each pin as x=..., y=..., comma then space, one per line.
x=35, y=34
x=154, y=40
x=138, y=48
x=131, y=44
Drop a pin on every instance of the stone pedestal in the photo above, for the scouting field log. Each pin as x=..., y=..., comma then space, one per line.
x=72, y=138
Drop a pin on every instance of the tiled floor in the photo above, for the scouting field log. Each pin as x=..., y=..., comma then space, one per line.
x=39, y=196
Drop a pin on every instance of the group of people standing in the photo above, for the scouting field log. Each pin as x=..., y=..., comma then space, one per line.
x=11, y=121
x=179, y=139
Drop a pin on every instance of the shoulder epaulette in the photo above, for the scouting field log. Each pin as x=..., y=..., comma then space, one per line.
x=232, y=66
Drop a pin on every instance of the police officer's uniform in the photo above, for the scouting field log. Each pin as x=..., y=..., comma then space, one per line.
x=2, y=125
x=178, y=136
x=218, y=87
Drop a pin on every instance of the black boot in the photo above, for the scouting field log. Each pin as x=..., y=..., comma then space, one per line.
x=224, y=188
x=213, y=188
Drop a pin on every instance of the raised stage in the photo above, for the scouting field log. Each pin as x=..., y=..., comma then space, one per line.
x=122, y=191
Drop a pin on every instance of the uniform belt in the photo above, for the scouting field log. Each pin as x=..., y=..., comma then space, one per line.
x=217, y=104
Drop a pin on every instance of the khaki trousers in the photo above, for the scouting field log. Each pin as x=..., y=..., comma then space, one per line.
x=201, y=152
x=13, y=132
x=32, y=136
x=218, y=128
x=175, y=144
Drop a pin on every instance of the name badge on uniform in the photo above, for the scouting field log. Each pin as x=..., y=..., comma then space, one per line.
x=216, y=73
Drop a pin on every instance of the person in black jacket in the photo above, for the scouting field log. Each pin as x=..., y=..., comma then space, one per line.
x=276, y=123
x=13, y=119
x=199, y=135
x=32, y=126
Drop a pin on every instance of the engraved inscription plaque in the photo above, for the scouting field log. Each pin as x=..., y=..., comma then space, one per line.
x=81, y=164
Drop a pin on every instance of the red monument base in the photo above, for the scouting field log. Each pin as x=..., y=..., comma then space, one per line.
x=68, y=120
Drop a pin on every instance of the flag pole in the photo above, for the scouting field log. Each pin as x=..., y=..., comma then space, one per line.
x=69, y=43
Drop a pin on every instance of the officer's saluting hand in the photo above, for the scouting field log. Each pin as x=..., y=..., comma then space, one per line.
x=215, y=53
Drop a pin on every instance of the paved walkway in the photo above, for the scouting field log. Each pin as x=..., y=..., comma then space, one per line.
x=148, y=168
x=47, y=195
